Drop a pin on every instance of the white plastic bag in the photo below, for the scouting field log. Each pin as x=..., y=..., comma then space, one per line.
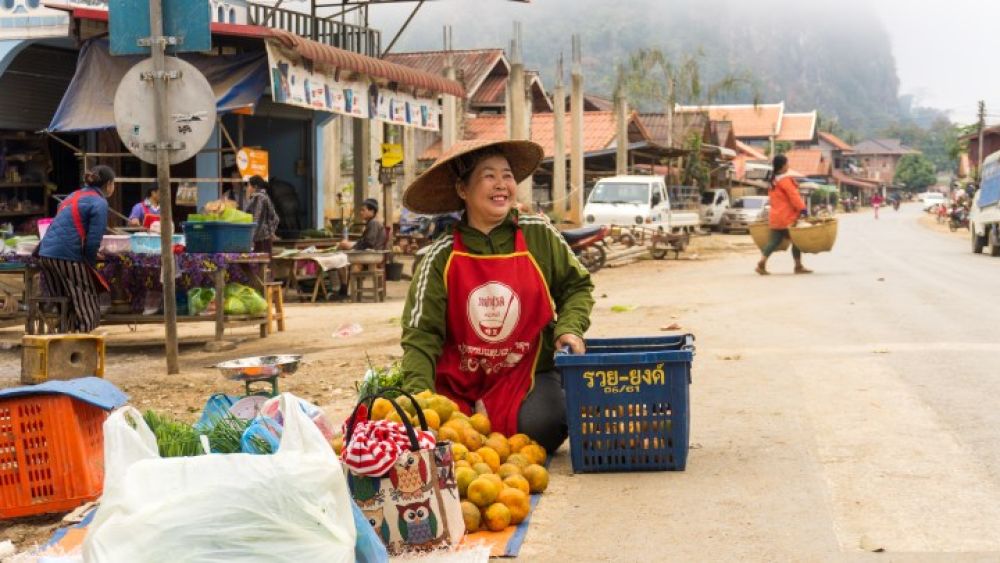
x=291, y=506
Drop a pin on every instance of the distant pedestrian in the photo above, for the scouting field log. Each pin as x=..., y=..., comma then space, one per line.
x=877, y=202
x=786, y=205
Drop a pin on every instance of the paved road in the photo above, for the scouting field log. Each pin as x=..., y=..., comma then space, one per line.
x=833, y=414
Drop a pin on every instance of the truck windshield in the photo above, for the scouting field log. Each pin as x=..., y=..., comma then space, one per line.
x=707, y=198
x=747, y=203
x=620, y=193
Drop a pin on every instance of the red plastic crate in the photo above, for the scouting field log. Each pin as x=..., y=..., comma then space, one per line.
x=51, y=454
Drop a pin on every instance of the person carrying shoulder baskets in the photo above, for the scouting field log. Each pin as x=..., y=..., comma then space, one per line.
x=786, y=207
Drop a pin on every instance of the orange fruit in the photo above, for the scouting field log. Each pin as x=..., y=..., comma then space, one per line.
x=447, y=433
x=519, y=460
x=495, y=478
x=482, y=492
x=517, y=501
x=462, y=463
x=464, y=476
x=490, y=456
x=538, y=478
x=441, y=405
x=458, y=451
x=381, y=408
x=425, y=394
x=497, y=517
x=458, y=415
x=471, y=515
x=517, y=482
x=394, y=417
x=433, y=420
x=472, y=439
x=473, y=458
x=338, y=444
x=508, y=469
x=481, y=423
x=518, y=441
x=499, y=445
x=535, y=454
x=483, y=468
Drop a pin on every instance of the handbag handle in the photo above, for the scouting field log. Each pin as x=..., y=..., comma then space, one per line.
x=403, y=417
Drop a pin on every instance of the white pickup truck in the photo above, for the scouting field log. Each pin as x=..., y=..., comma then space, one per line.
x=642, y=201
x=714, y=204
x=984, y=217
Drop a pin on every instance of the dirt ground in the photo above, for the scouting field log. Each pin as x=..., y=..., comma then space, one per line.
x=331, y=367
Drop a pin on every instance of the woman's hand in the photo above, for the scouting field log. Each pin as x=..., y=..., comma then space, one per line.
x=573, y=342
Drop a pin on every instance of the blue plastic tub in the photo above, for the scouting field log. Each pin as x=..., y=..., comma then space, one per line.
x=143, y=243
x=627, y=403
x=212, y=237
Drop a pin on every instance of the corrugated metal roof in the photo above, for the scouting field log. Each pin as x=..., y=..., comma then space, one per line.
x=749, y=121
x=491, y=92
x=808, y=162
x=883, y=146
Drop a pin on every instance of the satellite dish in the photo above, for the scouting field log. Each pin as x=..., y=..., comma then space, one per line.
x=190, y=111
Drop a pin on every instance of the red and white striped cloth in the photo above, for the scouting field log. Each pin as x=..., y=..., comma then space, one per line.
x=376, y=445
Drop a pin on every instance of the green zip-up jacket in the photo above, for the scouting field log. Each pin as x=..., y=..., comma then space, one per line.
x=425, y=315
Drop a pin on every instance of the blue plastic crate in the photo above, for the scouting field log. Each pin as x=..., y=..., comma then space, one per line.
x=211, y=237
x=627, y=403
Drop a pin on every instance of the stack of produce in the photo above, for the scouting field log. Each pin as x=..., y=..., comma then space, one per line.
x=496, y=474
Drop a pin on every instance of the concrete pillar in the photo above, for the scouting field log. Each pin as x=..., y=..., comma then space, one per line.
x=374, y=188
x=362, y=161
x=621, y=142
x=576, y=137
x=517, y=116
x=409, y=156
x=329, y=172
x=559, y=156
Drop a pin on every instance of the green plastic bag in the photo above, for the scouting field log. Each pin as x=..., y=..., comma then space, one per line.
x=231, y=215
x=254, y=303
x=234, y=306
x=199, y=299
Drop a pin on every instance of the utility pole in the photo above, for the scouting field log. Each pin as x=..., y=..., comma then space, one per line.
x=621, y=116
x=559, y=156
x=982, y=127
x=449, y=122
x=576, y=136
x=517, y=114
x=158, y=46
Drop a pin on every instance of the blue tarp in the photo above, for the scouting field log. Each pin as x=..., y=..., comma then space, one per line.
x=94, y=390
x=237, y=80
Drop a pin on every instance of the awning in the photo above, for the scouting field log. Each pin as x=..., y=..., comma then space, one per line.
x=842, y=178
x=375, y=68
x=238, y=81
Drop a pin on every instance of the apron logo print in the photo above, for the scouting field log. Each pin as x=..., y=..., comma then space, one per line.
x=493, y=310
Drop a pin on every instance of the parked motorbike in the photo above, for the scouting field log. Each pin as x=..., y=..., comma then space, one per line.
x=958, y=218
x=588, y=245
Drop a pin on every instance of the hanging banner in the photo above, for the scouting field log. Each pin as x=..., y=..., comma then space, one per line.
x=28, y=19
x=301, y=82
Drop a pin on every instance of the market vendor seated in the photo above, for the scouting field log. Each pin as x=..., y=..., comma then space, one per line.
x=373, y=238
x=491, y=302
x=147, y=211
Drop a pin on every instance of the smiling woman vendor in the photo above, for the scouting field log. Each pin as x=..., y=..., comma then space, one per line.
x=492, y=301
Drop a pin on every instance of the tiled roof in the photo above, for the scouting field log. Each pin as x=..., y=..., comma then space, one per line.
x=797, y=127
x=749, y=121
x=475, y=64
x=883, y=146
x=593, y=103
x=808, y=162
x=598, y=131
x=836, y=141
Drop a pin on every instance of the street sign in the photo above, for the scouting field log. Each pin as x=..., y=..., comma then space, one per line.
x=190, y=109
x=252, y=162
x=392, y=154
x=186, y=20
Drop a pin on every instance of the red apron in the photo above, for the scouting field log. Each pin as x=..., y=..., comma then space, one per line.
x=149, y=216
x=498, y=306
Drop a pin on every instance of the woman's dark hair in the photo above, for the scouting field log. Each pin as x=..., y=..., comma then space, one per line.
x=371, y=204
x=463, y=165
x=777, y=164
x=258, y=183
x=99, y=176
x=151, y=189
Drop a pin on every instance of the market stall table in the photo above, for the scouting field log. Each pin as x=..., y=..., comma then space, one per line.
x=293, y=266
x=133, y=277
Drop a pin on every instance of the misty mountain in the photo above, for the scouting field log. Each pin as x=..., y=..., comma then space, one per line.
x=830, y=55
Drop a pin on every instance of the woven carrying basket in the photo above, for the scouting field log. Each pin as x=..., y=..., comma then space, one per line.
x=815, y=238
x=761, y=232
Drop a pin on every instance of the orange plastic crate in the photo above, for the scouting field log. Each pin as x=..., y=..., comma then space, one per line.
x=51, y=454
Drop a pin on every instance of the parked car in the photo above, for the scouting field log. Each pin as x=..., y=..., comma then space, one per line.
x=745, y=210
x=931, y=199
x=713, y=204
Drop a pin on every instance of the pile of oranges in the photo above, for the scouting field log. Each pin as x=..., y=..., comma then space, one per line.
x=496, y=474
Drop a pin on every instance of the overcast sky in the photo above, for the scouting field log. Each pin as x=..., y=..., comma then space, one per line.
x=942, y=48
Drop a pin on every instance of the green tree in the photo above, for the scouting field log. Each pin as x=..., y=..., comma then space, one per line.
x=915, y=172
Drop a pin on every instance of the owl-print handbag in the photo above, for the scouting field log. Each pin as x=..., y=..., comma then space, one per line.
x=415, y=505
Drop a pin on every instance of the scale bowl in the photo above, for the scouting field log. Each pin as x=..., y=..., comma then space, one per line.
x=260, y=367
